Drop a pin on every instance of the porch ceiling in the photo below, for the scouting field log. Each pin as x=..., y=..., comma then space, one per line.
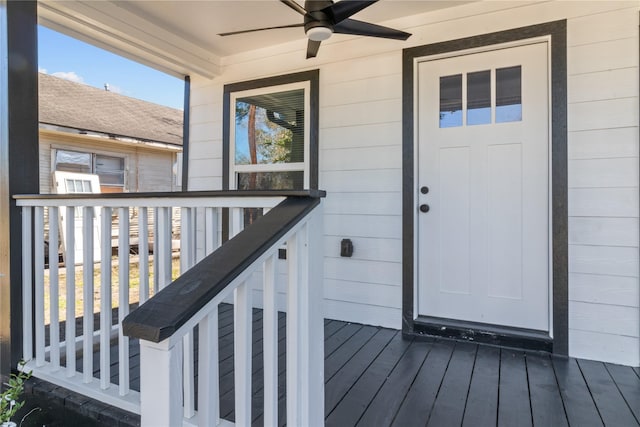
x=180, y=37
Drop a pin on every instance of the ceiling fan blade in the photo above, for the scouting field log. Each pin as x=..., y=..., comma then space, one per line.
x=346, y=8
x=312, y=48
x=359, y=28
x=295, y=6
x=260, y=29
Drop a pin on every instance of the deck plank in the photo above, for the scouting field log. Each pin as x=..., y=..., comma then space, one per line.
x=350, y=372
x=482, y=402
x=448, y=408
x=611, y=405
x=338, y=358
x=382, y=409
x=579, y=405
x=422, y=394
x=629, y=385
x=546, y=404
x=332, y=343
x=514, y=408
x=355, y=402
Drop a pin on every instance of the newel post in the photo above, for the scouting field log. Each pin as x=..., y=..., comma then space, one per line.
x=161, y=383
x=305, y=325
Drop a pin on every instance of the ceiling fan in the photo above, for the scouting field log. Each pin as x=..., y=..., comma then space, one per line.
x=322, y=18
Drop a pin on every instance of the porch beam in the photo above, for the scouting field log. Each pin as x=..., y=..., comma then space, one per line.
x=18, y=161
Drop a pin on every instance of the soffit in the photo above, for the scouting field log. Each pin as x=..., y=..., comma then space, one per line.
x=180, y=37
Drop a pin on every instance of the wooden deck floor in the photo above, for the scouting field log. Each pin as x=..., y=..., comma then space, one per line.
x=374, y=377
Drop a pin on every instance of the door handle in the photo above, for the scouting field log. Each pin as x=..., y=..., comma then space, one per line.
x=424, y=208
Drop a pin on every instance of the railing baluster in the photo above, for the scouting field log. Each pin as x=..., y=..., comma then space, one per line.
x=38, y=236
x=210, y=230
x=156, y=252
x=208, y=383
x=70, y=269
x=87, y=279
x=105, y=298
x=123, y=298
x=270, y=342
x=294, y=344
x=186, y=262
x=188, y=376
x=54, y=300
x=236, y=222
x=163, y=247
x=143, y=253
x=242, y=353
x=27, y=284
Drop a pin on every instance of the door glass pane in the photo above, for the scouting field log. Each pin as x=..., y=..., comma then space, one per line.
x=270, y=128
x=479, y=98
x=509, y=94
x=451, y=101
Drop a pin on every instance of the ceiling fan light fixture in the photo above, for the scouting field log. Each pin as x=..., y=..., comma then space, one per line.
x=318, y=34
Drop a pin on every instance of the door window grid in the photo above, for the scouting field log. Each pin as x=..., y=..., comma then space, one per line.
x=481, y=97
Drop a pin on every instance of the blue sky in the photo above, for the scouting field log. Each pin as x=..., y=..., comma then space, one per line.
x=72, y=59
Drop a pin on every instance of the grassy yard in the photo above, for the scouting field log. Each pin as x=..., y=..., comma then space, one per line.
x=134, y=287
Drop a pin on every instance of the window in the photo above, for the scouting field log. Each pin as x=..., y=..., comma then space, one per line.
x=271, y=132
x=478, y=103
x=110, y=169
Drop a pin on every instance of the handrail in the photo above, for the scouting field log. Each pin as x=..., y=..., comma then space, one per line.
x=158, y=318
x=23, y=198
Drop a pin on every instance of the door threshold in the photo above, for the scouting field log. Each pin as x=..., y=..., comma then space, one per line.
x=526, y=339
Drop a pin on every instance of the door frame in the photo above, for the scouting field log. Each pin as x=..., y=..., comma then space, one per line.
x=411, y=325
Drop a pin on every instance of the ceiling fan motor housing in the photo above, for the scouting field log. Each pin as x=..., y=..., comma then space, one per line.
x=318, y=25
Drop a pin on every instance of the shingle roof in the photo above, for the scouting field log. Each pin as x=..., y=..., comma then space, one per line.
x=79, y=106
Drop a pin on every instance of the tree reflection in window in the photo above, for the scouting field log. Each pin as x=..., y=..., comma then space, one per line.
x=270, y=130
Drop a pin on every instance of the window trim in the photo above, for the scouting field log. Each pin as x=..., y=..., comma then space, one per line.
x=309, y=80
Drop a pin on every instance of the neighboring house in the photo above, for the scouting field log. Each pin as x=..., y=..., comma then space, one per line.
x=132, y=145
x=485, y=172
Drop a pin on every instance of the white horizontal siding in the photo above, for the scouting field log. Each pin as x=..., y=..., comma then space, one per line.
x=604, y=289
x=603, y=202
x=605, y=260
x=376, y=226
x=363, y=293
x=355, y=270
x=361, y=158
x=378, y=180
x=604, y=143
x=596, y=173
x=601, y=231
x=380, y=203
x=378, y=134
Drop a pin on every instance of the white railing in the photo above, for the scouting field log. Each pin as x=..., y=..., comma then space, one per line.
x=52, y=357
x=169, y=397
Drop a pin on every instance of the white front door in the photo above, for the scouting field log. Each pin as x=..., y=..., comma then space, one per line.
x=483, y=187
